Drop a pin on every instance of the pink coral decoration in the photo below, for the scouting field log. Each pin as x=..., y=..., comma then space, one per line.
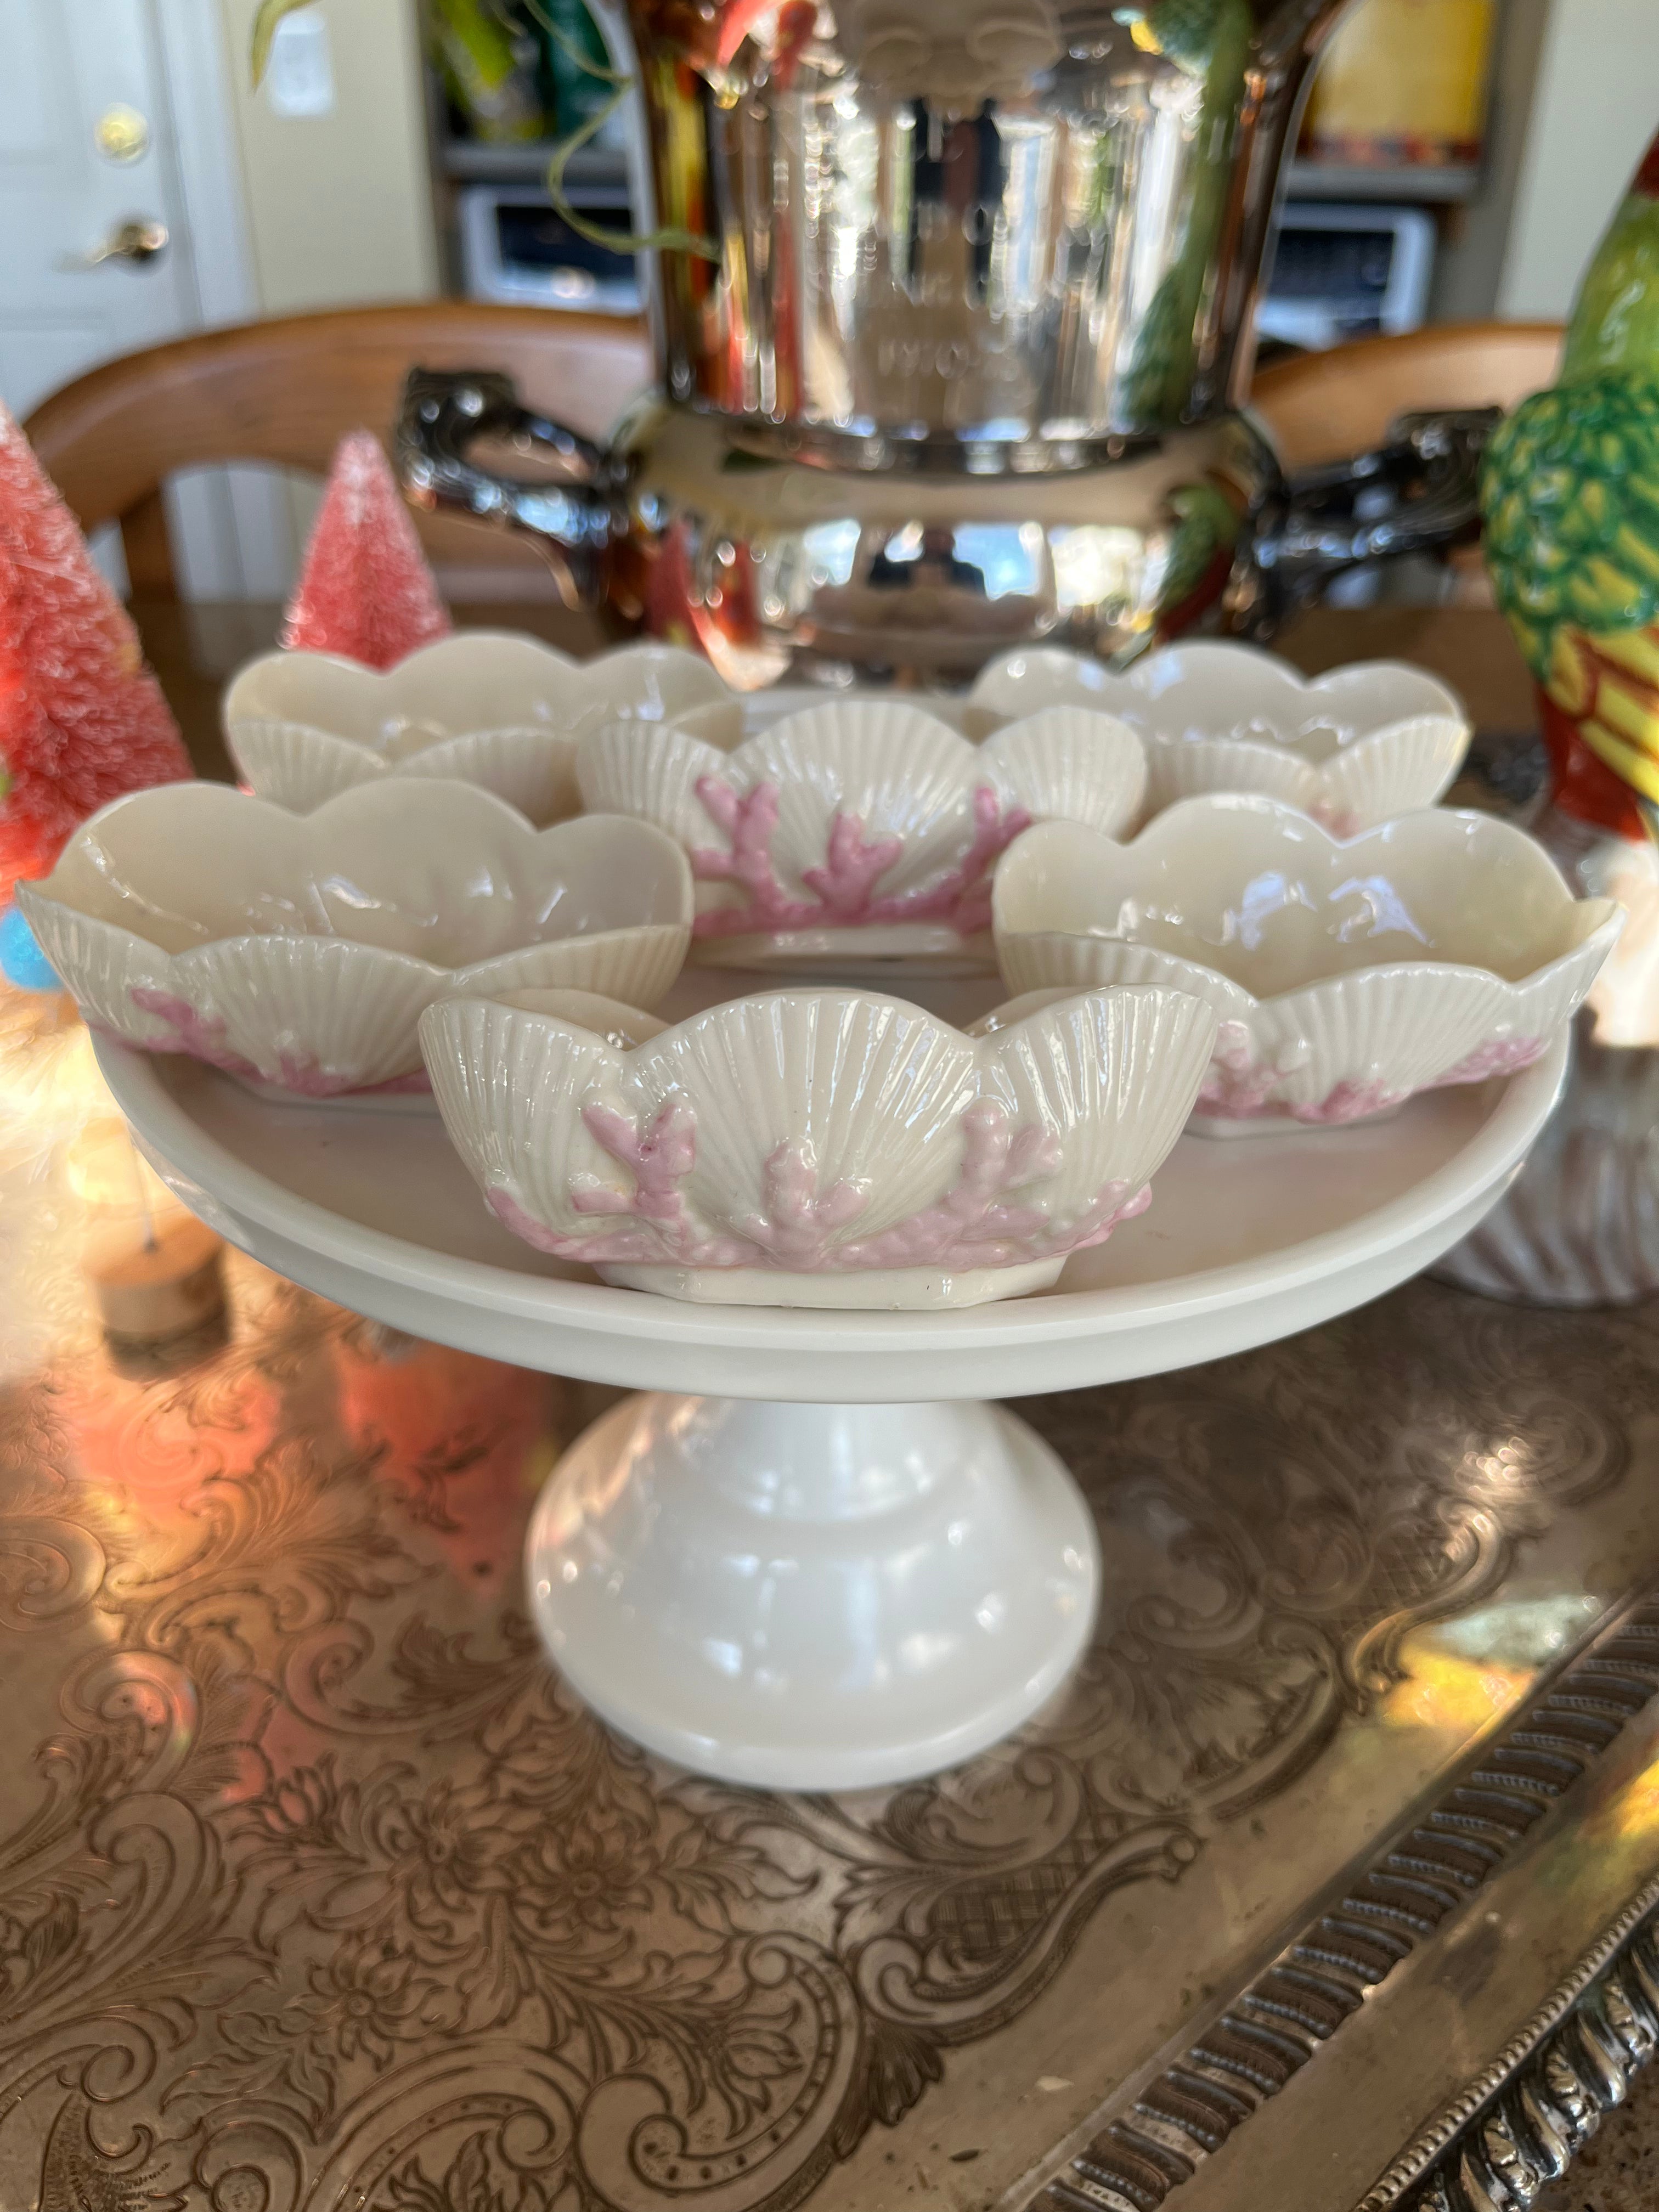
x=844, y=886
x=799, y=1223
x=1349, y=1101
x=1337, y=821
x=1500, y=1056
x=1237, y=1084
x=202, y=1036
x=1239, y=1088
x=797, y=1230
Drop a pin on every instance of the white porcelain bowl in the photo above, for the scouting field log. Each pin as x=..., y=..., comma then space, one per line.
x=1441, y=948
x=817, y=1148
x=1353, y=748
x=861, y=829
x=297, y=952
x=500, y=711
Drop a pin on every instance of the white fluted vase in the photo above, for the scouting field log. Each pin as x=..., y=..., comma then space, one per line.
x=1579, y=1225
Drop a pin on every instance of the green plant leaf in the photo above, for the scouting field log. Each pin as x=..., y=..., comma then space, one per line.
x=271, y=14
x=617, y=241
x=568, y=46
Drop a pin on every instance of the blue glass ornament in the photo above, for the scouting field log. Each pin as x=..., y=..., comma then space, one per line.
x=22, y=960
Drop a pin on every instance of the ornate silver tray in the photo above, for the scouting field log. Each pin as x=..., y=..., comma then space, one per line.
x=1325, y=1885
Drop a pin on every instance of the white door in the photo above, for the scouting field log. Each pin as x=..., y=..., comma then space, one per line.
x=113, y=118
x=76, y=71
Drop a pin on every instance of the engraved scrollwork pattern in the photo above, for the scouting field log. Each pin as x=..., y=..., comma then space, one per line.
x=317, y=1888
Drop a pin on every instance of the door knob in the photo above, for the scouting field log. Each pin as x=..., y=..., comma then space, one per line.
x=138, y=241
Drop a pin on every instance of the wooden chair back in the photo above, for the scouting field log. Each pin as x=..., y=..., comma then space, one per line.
x=1321, y=406
x=285, y=391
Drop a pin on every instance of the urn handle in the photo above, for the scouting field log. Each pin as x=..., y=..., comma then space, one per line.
x=1419, y=492
x=444, y=413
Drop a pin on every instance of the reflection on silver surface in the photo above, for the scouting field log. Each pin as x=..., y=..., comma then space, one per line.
x=1519, y=2125
x=939, y=240
x=322, y=1892
x=1385, y=1921
x=1010, y=254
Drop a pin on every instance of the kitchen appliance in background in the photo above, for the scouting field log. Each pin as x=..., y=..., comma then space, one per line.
x=516, y=248
x=1395, y=128
x=1349, y=270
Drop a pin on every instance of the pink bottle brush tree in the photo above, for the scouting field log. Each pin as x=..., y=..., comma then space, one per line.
x=81, y=719
x=367, y=591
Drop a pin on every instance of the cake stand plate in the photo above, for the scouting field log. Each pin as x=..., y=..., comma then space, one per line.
x=835, y=1573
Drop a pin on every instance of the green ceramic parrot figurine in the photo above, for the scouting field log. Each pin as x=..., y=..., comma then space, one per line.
x=1570, y=500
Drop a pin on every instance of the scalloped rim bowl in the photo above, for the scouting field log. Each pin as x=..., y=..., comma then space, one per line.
x=297, y=952
x=1353, y=748
x=819, y=1148
x=1442, y=947
x=860, y=828
x=489, y=707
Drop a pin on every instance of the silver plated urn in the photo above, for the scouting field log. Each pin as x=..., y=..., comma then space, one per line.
x=951, y=358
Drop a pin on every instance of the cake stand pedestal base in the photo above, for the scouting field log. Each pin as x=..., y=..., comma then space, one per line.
x=828, y=1596
x=812, y=1596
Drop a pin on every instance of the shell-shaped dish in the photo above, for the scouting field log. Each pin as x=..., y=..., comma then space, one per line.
x=1441, y=948
x=1353, y=749
x=486, y=706
x=824, y=1148
x=298, y=951
x=859, y=830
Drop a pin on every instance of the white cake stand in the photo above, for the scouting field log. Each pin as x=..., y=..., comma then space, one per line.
x=813, y=1580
